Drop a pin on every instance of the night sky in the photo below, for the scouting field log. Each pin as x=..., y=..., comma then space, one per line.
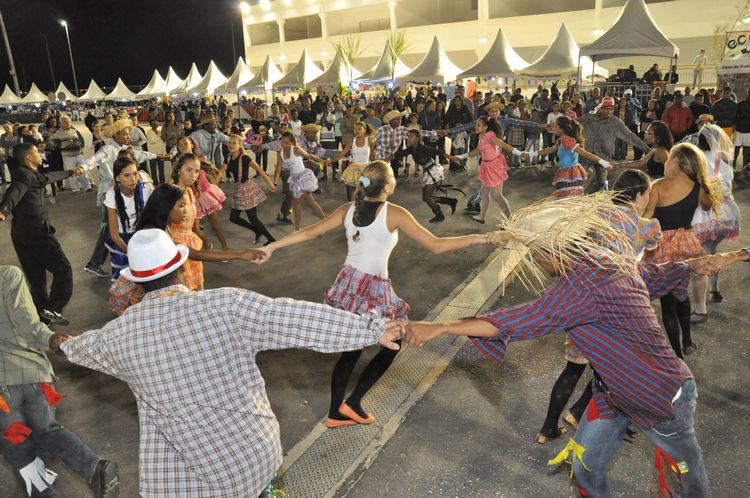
x=127, y=39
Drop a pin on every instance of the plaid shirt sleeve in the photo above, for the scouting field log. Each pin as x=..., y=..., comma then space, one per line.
x=89, y=350
x=20, y=307
x=562, y=307
x=663, y=278
x=286, y=323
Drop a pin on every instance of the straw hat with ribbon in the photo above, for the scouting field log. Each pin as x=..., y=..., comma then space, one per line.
x=152, y=254
x=563, y=231
x=494, y=105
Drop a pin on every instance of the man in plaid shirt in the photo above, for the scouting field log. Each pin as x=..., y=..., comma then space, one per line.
x=391, y=135
x=207, y=428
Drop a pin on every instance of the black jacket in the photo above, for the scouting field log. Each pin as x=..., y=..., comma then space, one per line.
x=743, y=117
x=25, y=197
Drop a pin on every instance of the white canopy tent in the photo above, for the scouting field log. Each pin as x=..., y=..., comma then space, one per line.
x=301, y=74
x=500, y=60
x=156, y=83
x=386, y=69
x=561, y=60
x=172, y=83
x=267, y=76
x=93, y=92
x=213, y=79
x=435, y=67
x=339, y=71
x=633, y=33
x=193, y=78
x=120, y=92
x=69, y=96
x=239, y=77
x=9, y=98
x=35, y=96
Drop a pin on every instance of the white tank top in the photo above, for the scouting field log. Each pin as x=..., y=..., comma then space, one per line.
x=293, y=163
x=360, y=155
x=371, y=252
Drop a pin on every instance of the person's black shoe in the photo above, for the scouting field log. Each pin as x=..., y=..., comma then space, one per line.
x=284, y=219
x=96, y=270
x=439, y=216
x=690, y=348
x=53, y=318
x=106, y=480
x=450, y=202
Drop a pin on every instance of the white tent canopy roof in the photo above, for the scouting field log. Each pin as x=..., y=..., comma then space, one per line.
x=500, y=60
x=69, y=96
x=193, y=78
x=240, y=76
x=8, y=97
x=560, y=60
x=93, y=92
x=213, y=79
x=120, y=92
x=435, y=67
x=633, y=33
x=156, y=83
x=385, y=69
x=268, y=75
x=339, y=70
x=301, y=74
x=172, y=83
x=34, y=96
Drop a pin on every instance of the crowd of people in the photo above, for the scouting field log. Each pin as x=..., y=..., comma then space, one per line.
x=614, y=252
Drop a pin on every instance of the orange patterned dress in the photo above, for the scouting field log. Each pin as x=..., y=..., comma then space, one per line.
x=183, y=234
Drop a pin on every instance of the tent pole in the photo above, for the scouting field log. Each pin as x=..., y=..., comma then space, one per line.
x=579, y=73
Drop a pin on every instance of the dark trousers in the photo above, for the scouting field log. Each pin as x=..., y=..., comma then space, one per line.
x=29, y=407
x=99, y=256
x=157, y=171
x=286, y=203
x=38, y=252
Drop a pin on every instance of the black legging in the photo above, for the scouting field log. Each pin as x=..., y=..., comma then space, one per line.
x=561, y=392
x=342, y=372
x=676, y=315
x=262, y=158
x=255, y=224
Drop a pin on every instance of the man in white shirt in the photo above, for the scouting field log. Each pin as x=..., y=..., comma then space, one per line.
x=699, y=61
x=70, y=144
x=103, y=160
x=208, y=138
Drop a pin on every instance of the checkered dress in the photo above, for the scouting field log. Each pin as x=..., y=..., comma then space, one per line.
x=363, y=293
x=206, y=426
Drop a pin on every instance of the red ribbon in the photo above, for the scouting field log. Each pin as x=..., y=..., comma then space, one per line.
x=661, y=457
x=53, y=397
x=16, y=433
x=592, y=411
x=158, y=269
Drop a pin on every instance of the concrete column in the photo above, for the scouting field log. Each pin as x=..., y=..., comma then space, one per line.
x=323, y=24
x=281, y=23
x=392, y=14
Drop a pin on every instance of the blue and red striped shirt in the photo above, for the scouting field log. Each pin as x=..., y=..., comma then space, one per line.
x=609, y=317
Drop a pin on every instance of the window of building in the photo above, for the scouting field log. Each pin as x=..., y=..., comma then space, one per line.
x=427, y=12
x=264, y=33
x=302, y=28
x=358, y=20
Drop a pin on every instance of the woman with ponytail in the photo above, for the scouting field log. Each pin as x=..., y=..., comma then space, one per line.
x=674, y=200
x=362, y=286
x=570, y=175
x=124, y=203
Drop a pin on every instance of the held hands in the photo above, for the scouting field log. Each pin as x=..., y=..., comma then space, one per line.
x=252, y=255
x=264, y=254
x=78, y=171
x=2, y=216
x=497, y=238
x=394, y=330
x=417, y=333
x=57, y=339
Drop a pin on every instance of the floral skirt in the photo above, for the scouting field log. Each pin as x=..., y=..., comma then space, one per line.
x=302, y=183
x=568, y=182
x=351, y=174
x=123, y=294
x=359, y=292
x=572, y=353
x=192, y=271
x=432, y=174
x=247, y=195
x=675, y=245
x=211, y=200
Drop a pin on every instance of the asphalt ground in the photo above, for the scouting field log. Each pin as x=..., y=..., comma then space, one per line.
x=472, y=434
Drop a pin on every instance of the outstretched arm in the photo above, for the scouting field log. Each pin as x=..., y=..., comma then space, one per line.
x=400, y=218
x=330, y=222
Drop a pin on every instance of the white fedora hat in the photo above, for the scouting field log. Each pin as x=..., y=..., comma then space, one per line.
x=152, y=254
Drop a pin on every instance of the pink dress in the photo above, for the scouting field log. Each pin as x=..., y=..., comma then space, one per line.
x=494, y=169
x=211, y=196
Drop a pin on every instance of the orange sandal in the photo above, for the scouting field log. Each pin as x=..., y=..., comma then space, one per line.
x=347, y=411
x=332, y=423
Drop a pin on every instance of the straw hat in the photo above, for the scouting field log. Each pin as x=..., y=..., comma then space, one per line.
x=706, y=118
x=152, y=254
x=311, y=127
x=207, y=118
x=563, y=231
x=494, y=105
x=120, y=125
x=391, y=115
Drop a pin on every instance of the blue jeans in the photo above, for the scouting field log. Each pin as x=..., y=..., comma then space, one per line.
x=602, y=437
x=28, y=406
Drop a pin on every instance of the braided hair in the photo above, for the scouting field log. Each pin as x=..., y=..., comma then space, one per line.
x=117, y=167
x=373, y=180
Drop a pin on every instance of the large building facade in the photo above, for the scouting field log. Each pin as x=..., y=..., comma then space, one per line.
x=466, y=28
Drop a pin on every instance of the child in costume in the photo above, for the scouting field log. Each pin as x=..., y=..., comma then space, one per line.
x=362, y=150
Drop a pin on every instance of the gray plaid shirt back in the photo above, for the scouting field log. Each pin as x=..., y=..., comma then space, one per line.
x=207, y=428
